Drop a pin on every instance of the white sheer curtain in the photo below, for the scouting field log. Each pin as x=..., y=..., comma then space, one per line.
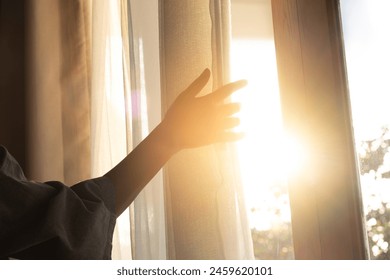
x=108, y=110
x=125, y=107
x=234, y=227
x=148, y=214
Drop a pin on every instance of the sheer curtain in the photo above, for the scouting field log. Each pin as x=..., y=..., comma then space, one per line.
x=109, y=82
x=234, y=226
x=125, y=108
x=149, y=213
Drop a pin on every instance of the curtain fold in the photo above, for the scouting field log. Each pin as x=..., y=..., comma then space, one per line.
x=87, y=107
x=190, y=195
x=148, y=215
x=44, y=94
x=76, y=88
x=206, y=215
x=125, y=108
x=58, y=96
x=233, y=222
x=111, y=138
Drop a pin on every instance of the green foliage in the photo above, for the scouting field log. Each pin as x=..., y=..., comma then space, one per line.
x=273, y=244
x=373, y=152
x=378, y=227
x=372, y=159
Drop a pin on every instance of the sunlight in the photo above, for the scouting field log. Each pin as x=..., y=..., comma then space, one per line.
x=267, y=155
x=294, y=156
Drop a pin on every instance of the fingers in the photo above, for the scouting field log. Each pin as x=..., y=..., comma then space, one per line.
x=198, y=84
x=218, y=95
x=229, y=109
x=225, y=91
x=229, y=123
x=228, y=136
x=224, y=119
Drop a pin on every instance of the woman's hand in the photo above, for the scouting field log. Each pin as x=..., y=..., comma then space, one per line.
x=190, y=122
x=194, y=121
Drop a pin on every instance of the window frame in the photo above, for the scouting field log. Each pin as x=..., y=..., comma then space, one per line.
x=327, y=213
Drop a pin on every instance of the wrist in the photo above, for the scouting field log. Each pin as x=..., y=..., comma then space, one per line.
x=165, y=141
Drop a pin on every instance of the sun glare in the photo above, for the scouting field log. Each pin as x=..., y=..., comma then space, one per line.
x=267, y=155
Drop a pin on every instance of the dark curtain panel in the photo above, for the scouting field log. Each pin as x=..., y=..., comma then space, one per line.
x=12, y=78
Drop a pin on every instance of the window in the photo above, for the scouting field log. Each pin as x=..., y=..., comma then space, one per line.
x=326, y=208
x=327, y=214
x=367, y=44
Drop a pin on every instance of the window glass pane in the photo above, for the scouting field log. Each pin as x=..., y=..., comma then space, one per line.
x=366, y=26
x=265, y=153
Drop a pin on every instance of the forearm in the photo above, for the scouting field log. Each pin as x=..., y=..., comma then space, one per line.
x=140, y=166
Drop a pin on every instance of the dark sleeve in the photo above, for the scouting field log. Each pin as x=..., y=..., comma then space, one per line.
x=52, y=221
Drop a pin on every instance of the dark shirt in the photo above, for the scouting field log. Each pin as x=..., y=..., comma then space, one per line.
x=53, y=221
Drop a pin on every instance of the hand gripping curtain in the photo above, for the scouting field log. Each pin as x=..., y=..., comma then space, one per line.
x=205, y=209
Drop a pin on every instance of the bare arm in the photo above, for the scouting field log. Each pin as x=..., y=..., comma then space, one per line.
x=190, y=122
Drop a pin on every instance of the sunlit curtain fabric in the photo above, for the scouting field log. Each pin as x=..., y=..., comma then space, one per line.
x=76, y=87
x=125, y=107
x=109, y=83
x=205, y=212
x=234, y=226
x=58, y=98
x=148, y=212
